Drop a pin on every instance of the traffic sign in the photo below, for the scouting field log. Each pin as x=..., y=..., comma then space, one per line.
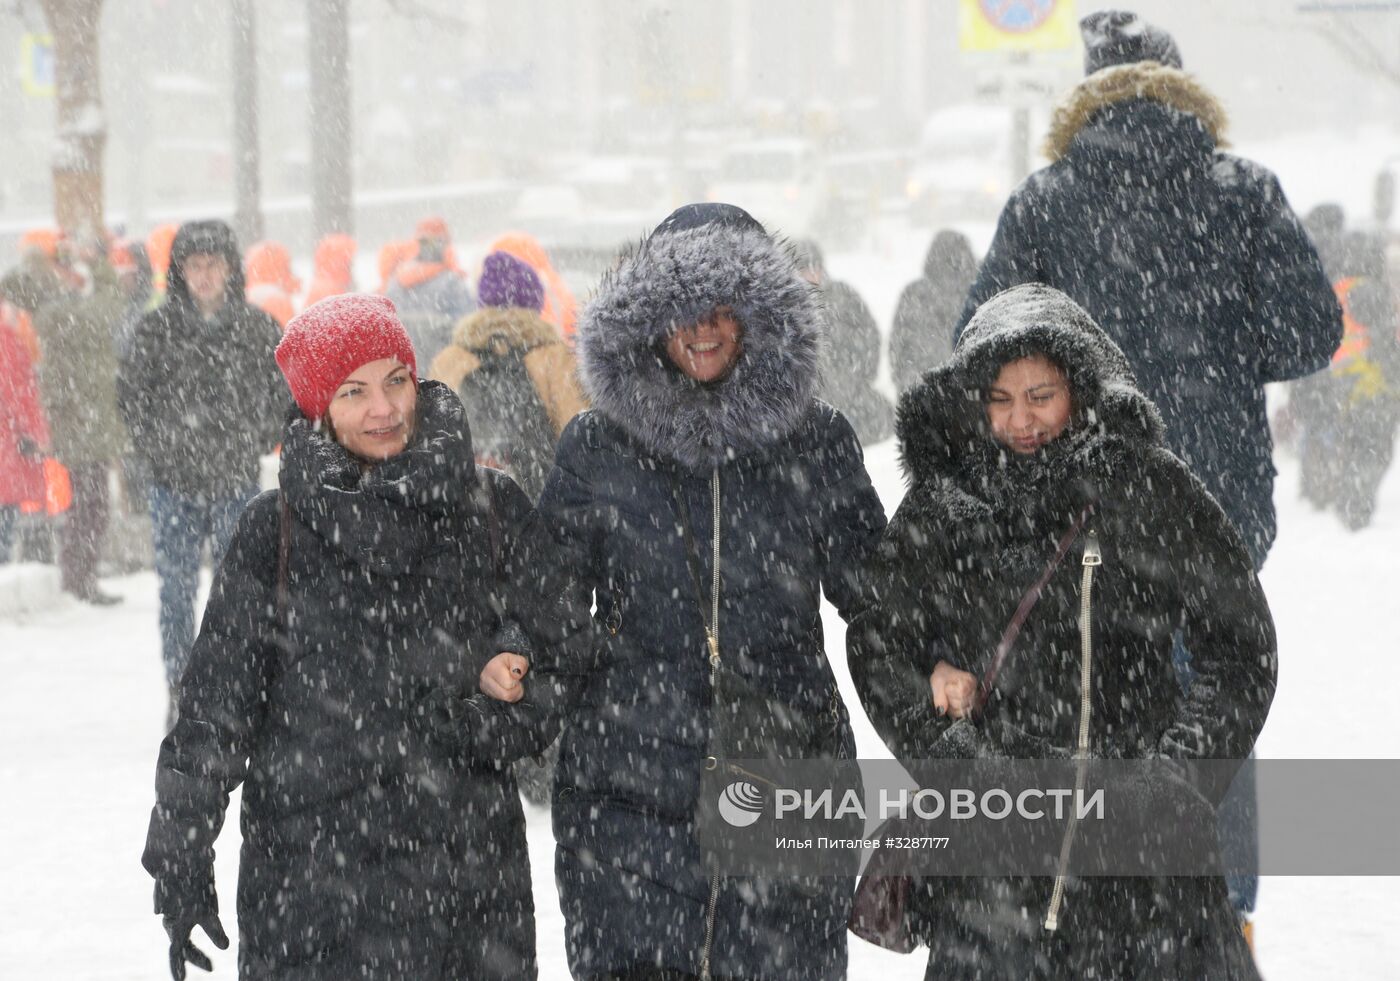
x=1017, y=25
x=36, y=64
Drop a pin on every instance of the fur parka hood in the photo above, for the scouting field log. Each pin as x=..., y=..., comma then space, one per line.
x=675, y=278
x=942, y=424
x=1169, y=87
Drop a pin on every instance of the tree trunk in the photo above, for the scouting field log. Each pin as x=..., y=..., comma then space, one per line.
x=247, y=184
x=328, y=28
x=81, y=135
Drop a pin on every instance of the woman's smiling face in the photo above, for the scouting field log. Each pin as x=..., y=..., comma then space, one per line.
x=373, y=411
x=1029, y=404
x=707, y=351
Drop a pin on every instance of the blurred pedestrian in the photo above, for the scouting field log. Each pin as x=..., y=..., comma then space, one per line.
x=158, y=244
x=560, y=307
x=202, y=400
x=23, y=436
x=78, y=383
x=1347, y=415
x=333, y=268
x=391, y=256
x=516, y=377
x=270, y=284
x=921, y=337
x=428, y=291
x=850, y=351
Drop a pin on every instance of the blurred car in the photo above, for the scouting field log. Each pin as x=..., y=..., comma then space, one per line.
x=865, y=185
x=780, y=182
x=963, y=168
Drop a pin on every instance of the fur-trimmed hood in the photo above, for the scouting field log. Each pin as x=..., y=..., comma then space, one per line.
x=942, y=424
x=1143, y=80
x=512, y=327
x=675, y=278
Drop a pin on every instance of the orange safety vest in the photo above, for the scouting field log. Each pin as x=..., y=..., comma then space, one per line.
x=1356, y=336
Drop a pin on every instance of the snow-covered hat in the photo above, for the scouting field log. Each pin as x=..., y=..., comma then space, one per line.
x=328, y=340
x=1120, y=37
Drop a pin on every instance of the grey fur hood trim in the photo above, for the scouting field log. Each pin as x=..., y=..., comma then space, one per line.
x=942, y=424
x=1171, y=87
x=674, y=279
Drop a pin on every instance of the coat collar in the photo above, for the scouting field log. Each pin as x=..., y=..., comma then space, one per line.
x=403, y=515
x=514, y=327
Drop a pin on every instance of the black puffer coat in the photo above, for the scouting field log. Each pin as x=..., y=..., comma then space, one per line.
x=203, y=399
x=797, y=516
x=1188, y=257
x=382, y=831
x=976, y=529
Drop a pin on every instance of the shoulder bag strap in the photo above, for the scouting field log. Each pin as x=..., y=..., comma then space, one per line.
x=1023, y=610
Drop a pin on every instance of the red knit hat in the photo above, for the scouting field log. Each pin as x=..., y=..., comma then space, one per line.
x=328, y=340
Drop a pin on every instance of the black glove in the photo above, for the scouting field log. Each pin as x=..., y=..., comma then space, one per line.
x=182, y=948
x=29, y=448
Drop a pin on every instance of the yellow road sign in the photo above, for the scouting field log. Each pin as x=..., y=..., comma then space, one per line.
x=1017, y=25
x=36, y=64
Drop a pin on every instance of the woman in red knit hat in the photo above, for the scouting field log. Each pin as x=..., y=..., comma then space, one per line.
x=361, y=672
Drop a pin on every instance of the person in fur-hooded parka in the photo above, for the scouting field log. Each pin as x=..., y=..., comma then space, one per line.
x=980, y=523
x=1190, y=258
x=796, y=516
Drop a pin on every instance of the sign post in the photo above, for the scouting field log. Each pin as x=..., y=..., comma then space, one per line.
x=1023, y=30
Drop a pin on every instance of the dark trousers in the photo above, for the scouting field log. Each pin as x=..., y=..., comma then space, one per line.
x=8, y=513
x=180, y=525
x=84, y=528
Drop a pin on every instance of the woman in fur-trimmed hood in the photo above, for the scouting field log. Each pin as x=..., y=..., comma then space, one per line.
x=699, y=356
x=1036, y=425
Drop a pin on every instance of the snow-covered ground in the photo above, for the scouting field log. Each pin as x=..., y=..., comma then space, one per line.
x=82, y=703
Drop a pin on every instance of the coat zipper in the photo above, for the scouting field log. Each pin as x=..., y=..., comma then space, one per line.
x=1092, y=559
x=712, y=640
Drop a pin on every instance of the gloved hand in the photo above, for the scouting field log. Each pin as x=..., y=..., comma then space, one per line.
x=182, y=948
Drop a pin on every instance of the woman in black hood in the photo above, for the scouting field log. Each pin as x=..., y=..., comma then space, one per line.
x=705, y=501
x=1033, y=434
x=360, y=672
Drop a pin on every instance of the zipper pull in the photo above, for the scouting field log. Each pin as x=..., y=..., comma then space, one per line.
x=1092, y=556
x=713, y=644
